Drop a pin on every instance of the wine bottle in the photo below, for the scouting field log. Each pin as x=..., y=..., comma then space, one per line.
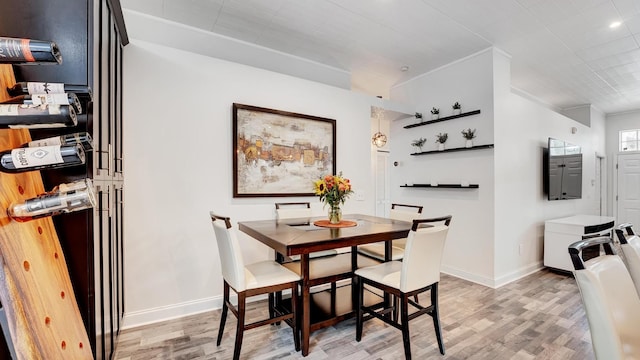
x=28, y=51
x=81, y=138
x=14, y=116
x=30, y=88
x=64, y=198
x=50, y=99
x=41, y=157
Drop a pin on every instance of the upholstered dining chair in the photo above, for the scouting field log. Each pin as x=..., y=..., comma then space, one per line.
x=630, y=245
x=418, y=272
x=400, y=212
x=302, y=210
x=610, y=301
x=265, y=277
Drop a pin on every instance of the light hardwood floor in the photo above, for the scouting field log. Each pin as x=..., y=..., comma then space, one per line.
x=538, y=317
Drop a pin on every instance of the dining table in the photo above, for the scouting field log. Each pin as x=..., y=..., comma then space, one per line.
x=303, y=236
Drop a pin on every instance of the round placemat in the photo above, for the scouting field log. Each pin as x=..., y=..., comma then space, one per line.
x=341, y=224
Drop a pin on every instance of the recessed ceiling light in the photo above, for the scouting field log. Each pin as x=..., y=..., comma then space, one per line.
x=615, y=24
x=404, y=68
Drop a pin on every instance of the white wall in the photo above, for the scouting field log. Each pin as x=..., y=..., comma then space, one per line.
x=615, y=123
x=469, y=248
x=179, y=158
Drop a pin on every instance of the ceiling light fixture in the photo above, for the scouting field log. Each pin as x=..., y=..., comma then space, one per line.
x=615, y=24
x=404, y=68
x=379, y=139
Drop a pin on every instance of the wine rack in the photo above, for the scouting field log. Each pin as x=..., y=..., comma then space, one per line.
x=90, y=35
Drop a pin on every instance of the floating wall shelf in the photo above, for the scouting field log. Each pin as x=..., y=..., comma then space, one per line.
x=488, y=146
x=474, y=112
x=442, y=186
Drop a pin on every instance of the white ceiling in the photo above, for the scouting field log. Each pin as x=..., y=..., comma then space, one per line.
x=563, y=51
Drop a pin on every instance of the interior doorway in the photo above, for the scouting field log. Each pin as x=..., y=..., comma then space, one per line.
x=628, y=189
x=383, y=201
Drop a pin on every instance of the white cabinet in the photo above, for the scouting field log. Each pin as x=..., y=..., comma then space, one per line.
x=560, y=233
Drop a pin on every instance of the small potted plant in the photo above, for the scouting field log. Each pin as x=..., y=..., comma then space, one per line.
x=441, y=138
x=418, y=117
x=456, y=108
x=435, y=113
x=468, y=134
x=419, y=144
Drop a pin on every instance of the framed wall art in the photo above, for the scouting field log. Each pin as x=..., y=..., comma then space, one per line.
x=279, y=153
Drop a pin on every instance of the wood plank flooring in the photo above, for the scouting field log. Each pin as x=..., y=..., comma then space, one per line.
x=538, y=317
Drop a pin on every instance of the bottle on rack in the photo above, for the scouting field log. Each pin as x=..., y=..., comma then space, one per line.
x=80, y=138
x=50, y=99
x=21, y=116
x=28, y=51
x=41, y=157
x=64, y=198
x=30, y=88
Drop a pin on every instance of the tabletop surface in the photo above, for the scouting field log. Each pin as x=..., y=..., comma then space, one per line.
x=299, y=236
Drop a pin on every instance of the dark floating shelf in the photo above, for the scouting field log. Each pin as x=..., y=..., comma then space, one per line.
x=474, y=112
x=442, y=186
x=488, y=146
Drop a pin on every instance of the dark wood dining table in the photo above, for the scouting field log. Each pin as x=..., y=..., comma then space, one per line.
x=301, y=237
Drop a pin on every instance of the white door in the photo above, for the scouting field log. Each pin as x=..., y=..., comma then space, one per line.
x=383, y=203
x=628, y=189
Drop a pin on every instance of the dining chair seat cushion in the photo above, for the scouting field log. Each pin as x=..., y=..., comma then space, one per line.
x=376, y=251
x=631, y=251
x=267, y=273
x=387, y=273
x=331, y=265
x=317, y=254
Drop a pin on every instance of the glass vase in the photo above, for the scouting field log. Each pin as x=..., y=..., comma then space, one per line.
x=335, y=214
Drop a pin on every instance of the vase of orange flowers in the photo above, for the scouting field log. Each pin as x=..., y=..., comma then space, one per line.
x=333, y=191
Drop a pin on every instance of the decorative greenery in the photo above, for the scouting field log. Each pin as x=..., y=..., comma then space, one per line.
x=468, y=134
x=435, y=111
x=418, y=115
x=333, y=189
x=456, y=106
x=442, y=138
x=419, y=143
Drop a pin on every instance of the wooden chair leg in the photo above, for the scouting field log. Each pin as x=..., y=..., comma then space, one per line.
x=240, y=330
x=223, y=316
x=295, y=320
x=404, y=319
x=359, y=301
x=436, y=316
x=415, y=298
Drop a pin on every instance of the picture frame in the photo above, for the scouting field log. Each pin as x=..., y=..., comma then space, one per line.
x=279, y=153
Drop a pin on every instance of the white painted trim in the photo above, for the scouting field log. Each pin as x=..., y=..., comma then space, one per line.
x=518, y=274
x=485, y=281
x=526, y=95
x=163, y=313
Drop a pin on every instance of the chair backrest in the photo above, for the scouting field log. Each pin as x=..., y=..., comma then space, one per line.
x=611, y=304
x=231, y=260
x=293, y=210
x=404, y=212
x=423, y=253
x=630, y=246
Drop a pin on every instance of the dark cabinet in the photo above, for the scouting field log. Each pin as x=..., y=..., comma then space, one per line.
x=91, y=36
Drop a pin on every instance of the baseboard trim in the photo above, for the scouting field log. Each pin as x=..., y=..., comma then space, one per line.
x=163, y=313
x=497, y=282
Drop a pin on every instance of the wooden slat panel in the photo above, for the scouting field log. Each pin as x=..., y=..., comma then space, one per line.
x=35, y=288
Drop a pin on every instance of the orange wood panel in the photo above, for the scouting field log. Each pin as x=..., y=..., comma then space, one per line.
x=35, y=288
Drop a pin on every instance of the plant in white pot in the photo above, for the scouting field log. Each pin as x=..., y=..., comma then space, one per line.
x=418, y=117
x=456, y=108
x=418, y=144
x=441, y=138
x=435, y=113
x=469, y=135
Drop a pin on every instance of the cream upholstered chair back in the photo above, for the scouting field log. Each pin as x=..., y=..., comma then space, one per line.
x=611, y=303
x=293, y=210
x=231, y=260
x=630, y=246
x=423, y=254
x=406, y=213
